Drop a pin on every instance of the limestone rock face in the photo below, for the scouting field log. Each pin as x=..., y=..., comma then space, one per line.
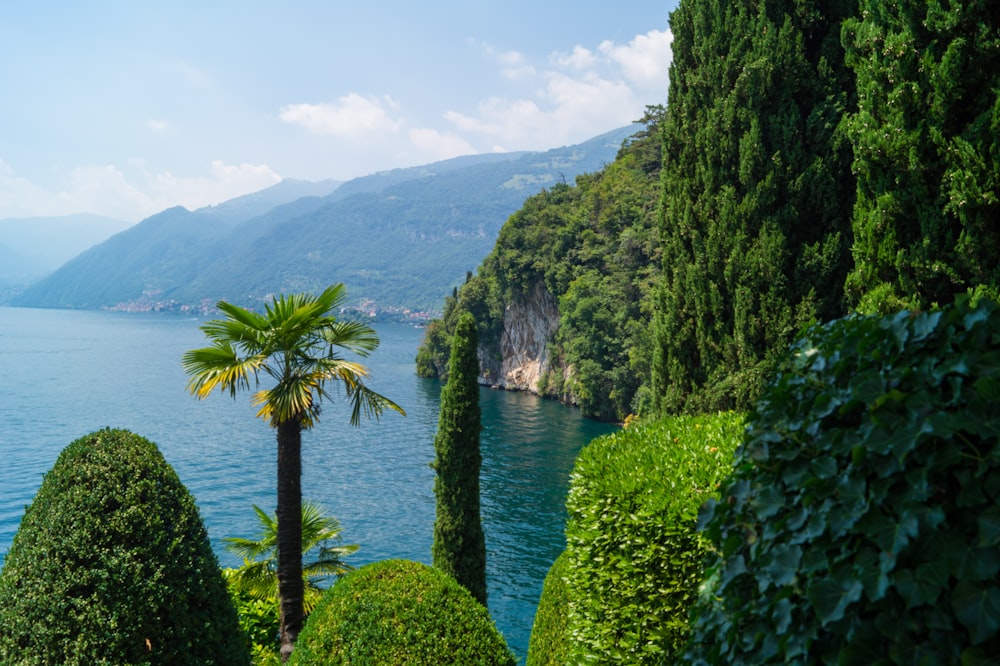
x=528, y=326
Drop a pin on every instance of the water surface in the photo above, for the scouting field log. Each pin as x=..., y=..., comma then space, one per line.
x=68, y=373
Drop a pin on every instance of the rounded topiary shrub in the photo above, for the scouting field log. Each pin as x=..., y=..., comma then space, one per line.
x=399, y=612
x=112, y=565
x=861, y=523
x=634, y=556
x=549, y=644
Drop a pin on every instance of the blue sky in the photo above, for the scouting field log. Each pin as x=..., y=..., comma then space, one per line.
x=126, y=108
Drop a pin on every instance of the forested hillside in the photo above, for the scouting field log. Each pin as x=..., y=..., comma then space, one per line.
x=398, y=240
x=818, y=158
x=594, y=247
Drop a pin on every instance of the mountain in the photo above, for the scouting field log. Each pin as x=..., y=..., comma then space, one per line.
x=31, y=247
x=400, y=239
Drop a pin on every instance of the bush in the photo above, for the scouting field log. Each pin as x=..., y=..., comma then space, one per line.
x=259, y=619
x=861, y=523
x=112, y=565
x=400, y=612
x=550, y=644
x=635, y=559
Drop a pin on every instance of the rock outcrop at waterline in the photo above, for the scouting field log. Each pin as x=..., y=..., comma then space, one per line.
x=525, y=359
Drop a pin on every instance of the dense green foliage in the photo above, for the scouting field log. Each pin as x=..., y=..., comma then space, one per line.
x=861, y=524
x=112, y=565
x=459, y=547
x=635, y=559
x=595, y=250
x=322, y=556
x=756, y=207
x=927, y=151
x=260, y=621
x=400, y=613
x=550, y=641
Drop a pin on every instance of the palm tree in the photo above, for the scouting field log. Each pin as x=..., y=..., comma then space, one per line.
x=257, y=576
x=296, y=343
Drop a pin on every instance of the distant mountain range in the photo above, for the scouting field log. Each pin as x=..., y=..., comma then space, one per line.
x=399, y=239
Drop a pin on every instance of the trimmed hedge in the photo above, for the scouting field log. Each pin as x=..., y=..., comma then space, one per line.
x=398, y=612
x=635, y=560
x=112, y=565
x=550, y=644
x=861, y=524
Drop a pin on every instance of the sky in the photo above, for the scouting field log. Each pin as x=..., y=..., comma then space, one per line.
x=124, y=108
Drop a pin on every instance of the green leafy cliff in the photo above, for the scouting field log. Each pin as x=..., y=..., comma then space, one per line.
x=591, y=252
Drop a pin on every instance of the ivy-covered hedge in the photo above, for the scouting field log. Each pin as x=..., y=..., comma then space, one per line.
x=550, y=644
x=399, y=612
x=861, y=524
x=112, y=565
x=635, y=559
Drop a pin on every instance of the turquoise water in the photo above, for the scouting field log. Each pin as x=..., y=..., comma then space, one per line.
x=67, y=373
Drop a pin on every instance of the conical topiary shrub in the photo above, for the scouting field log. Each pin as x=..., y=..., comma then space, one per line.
x=112, y=565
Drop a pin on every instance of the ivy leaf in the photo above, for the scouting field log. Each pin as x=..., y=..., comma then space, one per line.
x=768, y=502
x=989, y=526
x=890, y=533
x=977, y=607
x=780, y=566
x=830, y=597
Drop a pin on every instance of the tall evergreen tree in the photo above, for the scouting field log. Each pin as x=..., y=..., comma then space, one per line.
x=459, y=545
x=927, y=151
x=756, y=193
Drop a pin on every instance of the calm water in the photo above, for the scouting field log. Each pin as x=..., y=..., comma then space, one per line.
x=65, y=374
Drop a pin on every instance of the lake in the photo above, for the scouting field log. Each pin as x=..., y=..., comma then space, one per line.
x=69, y=373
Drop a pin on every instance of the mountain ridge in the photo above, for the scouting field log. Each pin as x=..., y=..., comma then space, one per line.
x=400, y=239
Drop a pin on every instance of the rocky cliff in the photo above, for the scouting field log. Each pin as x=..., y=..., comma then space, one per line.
x=524, y=359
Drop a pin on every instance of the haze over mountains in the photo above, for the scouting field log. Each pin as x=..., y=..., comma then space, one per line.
x=32, y=247
x=400, y=239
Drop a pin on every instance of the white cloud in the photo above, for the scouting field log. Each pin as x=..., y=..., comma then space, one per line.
x=107, y=190
x=225, y=181
x=580, y=58
x=515, y=66
x=350, y=116
x=158, y=125
x=18, y=196
x=579, y=95
x=439, y=146
x=645, y=60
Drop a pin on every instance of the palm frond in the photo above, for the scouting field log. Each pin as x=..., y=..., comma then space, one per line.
x=353, y=336
x=258, y=578
x=371, y=404
x=220, y=367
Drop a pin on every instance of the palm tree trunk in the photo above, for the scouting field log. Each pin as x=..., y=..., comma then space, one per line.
x=289, y=515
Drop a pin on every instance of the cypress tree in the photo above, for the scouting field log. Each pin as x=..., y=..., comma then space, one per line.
x=756, y=194
x=926, y=140
x=459, y=547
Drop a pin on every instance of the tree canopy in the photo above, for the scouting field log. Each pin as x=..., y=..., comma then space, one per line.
x=754, y=223
x=926, y=141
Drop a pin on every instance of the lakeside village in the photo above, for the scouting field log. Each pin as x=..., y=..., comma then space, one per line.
x=366, y=309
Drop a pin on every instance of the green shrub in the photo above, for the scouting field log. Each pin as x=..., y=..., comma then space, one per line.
x=400, y=612
x=112, y=565
x=635, y=559
x=861, y=523
x=549, y=644
x=259, y=619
